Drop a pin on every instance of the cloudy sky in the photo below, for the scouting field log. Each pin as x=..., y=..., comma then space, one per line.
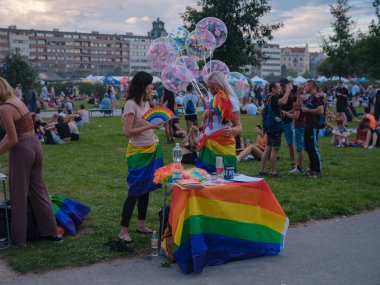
x=304, y=20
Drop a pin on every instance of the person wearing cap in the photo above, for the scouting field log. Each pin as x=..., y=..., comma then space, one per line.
x=288, y=121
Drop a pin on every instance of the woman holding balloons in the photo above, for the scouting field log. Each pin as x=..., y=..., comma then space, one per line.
x=222, y=124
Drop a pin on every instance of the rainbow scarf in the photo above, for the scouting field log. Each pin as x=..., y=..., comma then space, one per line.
x=221, y=104
x=142, y=162
x=219, y=224
x=216, y=144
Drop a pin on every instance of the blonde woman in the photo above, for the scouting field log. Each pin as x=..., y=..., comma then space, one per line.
x=25, y=169
x=223, y=124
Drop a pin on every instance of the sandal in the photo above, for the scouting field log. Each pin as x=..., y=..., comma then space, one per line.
x=144, y=232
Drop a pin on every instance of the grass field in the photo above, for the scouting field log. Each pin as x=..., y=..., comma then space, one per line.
x=93, y=171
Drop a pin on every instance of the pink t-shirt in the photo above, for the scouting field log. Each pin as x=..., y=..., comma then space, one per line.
x=147, y=137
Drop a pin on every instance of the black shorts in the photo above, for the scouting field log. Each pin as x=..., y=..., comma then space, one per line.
x=192, y=118
x=274, y=139
x=341, y=108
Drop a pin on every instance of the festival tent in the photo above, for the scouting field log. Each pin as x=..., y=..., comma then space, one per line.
x=90, y=78
x=336, y=78
x=290, y=78
x=110, y=80
x=322, y=79
x=50, y=76
x=257, y=80
x=299, y=80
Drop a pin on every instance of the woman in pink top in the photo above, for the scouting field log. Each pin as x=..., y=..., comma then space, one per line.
x=144, y=154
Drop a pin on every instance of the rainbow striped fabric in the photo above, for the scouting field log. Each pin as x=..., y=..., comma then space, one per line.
x=216, y=144
x=218, y=224
x=142, y=162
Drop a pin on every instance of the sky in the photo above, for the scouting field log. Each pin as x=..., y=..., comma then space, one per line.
x=304, y=20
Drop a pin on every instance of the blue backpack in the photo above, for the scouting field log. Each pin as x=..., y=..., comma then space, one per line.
x=190, y=108
x=272, y=123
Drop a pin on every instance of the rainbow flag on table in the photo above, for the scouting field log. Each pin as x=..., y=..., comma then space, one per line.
x=142, y=162
x=218, y=224
x=216, y=144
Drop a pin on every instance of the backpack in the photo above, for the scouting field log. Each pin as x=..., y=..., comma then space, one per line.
x=190, y=108
x=272, y=123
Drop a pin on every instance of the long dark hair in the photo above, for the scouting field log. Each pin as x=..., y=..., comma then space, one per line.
x=138, y=85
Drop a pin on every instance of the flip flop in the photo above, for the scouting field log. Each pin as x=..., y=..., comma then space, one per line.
x=143, y=232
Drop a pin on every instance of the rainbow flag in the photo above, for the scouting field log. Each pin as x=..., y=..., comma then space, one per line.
x=142, y=162
x=216, y=144
x=219, y=224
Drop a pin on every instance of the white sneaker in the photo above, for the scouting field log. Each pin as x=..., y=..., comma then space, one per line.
x=366, y=146
x=371, y=147
x=295, y=171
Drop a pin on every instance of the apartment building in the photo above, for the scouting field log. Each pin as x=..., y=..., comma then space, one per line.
x=76, y=54
x=296, y=58
x=271, y=67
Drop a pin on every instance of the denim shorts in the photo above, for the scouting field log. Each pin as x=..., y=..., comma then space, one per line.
x=299, y=134
x=289, y=133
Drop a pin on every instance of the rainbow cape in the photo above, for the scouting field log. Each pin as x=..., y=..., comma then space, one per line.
x=216, y=144
x=219, y=224
x=158, y=115
x=142, y=162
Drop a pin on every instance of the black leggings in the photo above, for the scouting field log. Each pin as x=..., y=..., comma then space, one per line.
x=311, y=146
x=129, y=205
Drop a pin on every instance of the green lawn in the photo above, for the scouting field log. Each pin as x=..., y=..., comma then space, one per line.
x=93, y=171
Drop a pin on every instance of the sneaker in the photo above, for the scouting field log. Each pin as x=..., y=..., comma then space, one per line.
x=371, y=147
x=55, y=239
x=366, y=146
x=238, y=159
x=314, y=175
x=296, y=171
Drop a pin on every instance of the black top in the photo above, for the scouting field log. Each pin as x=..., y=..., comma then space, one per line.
x=287, y=107
x=63, y=130
x=274, y=104
x=341, y=99
x=312, y=120
x=169, y=99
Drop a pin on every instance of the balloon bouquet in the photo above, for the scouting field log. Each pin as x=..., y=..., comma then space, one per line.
x=176, y=57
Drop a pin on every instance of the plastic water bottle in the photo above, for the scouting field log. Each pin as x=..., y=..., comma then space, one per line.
x=154, y=244
x=177, y=167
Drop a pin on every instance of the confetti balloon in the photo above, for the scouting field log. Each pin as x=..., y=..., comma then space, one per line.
x=239, y=84
x=190, y=64
x=214, y=65
x=216, y=27
x=161, y=53
x=181, y=37
x=175, y=77
x=201, y=44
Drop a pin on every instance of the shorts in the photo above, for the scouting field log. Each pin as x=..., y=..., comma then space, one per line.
x=192, y=118
x=289, y=133
x=299, y=134
x=274, y=140
x=341, y=108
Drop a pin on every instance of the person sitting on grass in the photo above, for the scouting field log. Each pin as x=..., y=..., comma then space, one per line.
x=340, y=133
x=60, y=131
x=83, y=113
x=74, y=133
x=361, y=133
x=257, y=148
x=189, y=146
x=372, y=136
x=177, y=131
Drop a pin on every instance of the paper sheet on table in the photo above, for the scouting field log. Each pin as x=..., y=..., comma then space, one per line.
x=245, y=178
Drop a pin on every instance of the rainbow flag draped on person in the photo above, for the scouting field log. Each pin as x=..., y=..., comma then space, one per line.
x=211, y=146
x=142, y=162
x=219, y=224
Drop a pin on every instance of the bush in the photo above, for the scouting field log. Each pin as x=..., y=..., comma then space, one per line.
x=84, y=87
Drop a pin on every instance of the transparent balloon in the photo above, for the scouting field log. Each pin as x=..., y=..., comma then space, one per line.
x=239, y=84
x=201, y=44
x=214, y=65
x=175, y=77
x=190, y=64
x=161, y=53
x=216, y=27
x=181, y=37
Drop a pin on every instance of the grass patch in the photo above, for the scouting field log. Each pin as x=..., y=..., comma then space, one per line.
x=93, y=171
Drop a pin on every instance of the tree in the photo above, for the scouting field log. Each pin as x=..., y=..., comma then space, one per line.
x=16, y=70
x=307, y=74
x=245, y=32
x=366, y=50
x=292, y=73
x=338, y=46
x=284, y=71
